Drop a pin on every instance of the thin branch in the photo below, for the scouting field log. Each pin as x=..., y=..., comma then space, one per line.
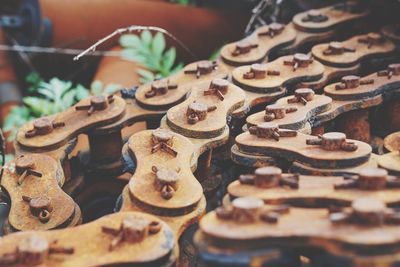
x=134, y=28
x=55, y=50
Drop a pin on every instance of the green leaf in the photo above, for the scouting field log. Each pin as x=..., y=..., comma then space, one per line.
x=130, y=40
x=96, y=88
x=169, y=58
x=146, y=38
x=146, y=76
x=133, y=55
x=178, y=68
x=81, y=92
x=215, y=54
x=68, y=100
x=158, y=44
x=39, y=106
x=17, y=117
x=111, y=88
x=34, y=80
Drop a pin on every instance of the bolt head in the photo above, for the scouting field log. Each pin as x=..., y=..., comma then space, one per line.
x=314, y=13
x=160, y=85
x=167, y=176
x=368, y=205
x=372, y=179
x=135, y=229
x=42, y=123
x=33, y=244
x=99, y=102
x=205, y=66
x=198, y=107
x=276, y=27
x=162, y=135
x=334, y=136
x=300, y=57
x=373, y=172
x=243, y=45
x=275, y=107
x=374, y=36
x=261, y=68
x=268, y=126
x=336, y=45
x=247, y=203
x=270, y=170
x=23, y=163
x=42, y=202
x=219, y=83
x=395, y=68
x=43, y=126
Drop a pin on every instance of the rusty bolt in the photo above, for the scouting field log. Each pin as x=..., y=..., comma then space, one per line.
x=24, y=163
x=224, y=213
x=372, y=179
x=197, y=111
x=302, y=95
x=333, y=141
x=33, y=250
x=267, y=177
x=43, y=126
x=270, y=130
x=166, y=181
x=352, y=81
x=133, y=229
x=269, y=216
x=243, y=47
x=371, y=39
x=392, y=69
x=299, y=61
x=274, y=29
x=246, y=209
x=206, y=66
x=277, y=111
x=203, y=67
x=97, y=103
x=338, y=217
x=368, y=211
x=218, y=87
x=160, y=87
x=24, y=167
x=40, y=207
x=162, y=136
x=337, y=48
x=314, y=15
x=162, y=139
x=257, y=71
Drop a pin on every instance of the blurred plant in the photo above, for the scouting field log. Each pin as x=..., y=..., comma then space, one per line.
x=215, y=55
x=97, y=88
x=150, y=52
x=46, y=98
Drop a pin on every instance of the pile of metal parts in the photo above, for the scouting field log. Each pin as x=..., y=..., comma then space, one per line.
x=309, y=178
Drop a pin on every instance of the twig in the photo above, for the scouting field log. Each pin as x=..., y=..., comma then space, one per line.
x=55, y=50
x=135, y=28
